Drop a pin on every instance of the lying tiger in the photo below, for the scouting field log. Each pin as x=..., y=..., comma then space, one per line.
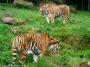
x=35, y=44
x=51, y=11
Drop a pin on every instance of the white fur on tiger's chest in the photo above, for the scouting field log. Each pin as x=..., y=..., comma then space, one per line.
x=29, y=52
x=35, y=57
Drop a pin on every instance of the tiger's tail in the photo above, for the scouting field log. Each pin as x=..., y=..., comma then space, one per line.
x=14, y=53
x=13, y=56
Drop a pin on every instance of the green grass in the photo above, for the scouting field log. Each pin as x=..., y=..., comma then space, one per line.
x=74, y=37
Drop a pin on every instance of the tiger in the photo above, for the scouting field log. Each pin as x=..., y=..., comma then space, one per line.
x=52, y=11
x=37, y=44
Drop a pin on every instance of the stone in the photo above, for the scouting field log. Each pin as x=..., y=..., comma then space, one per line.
x=8, y=20
x=23, y=3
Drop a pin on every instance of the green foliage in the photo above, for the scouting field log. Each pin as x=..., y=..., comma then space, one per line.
x=74, y=37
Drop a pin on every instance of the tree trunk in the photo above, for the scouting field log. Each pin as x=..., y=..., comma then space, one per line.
x=88, y=5
x=7, y=1
x=82, y=4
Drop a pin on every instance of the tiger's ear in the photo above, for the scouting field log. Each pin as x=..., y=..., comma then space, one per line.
x=41, y=4
x=53, y=40
x=46, y=33
x=57, y=42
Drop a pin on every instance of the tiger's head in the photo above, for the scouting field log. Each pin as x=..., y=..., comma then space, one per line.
x=43, y=10
x=51, y=43
x=54, y=48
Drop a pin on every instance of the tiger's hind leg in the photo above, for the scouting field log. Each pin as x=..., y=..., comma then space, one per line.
x=22, y=57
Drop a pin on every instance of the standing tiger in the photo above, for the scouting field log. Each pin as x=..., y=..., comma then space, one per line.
x=36, y=44
x=51, y=11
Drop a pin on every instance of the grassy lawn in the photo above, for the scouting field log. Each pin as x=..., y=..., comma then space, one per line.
x=74, y=37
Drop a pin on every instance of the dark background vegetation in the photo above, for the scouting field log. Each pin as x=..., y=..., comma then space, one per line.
x=79, y=4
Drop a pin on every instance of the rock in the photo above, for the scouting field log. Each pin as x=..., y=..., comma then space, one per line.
x=29, y=4
x=18, y=2
x=8, y=20
x=12, y=21
x=23, y=3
